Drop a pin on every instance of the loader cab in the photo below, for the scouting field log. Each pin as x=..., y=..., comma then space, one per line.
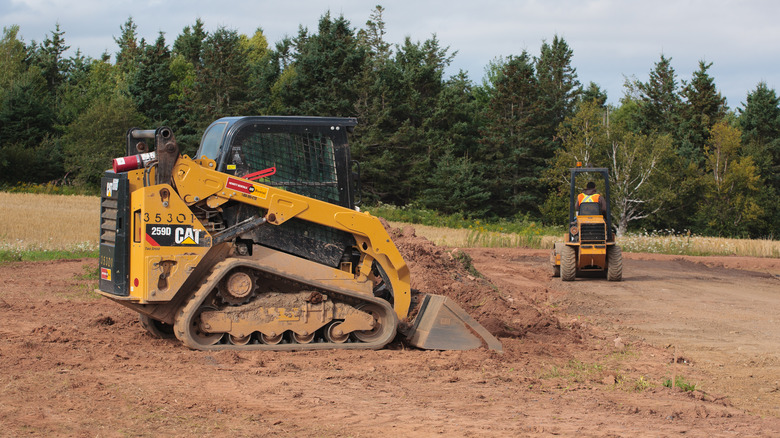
x=306, y=155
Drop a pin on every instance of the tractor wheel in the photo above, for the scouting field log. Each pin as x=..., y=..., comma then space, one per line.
x=614, y=263
x=556, y=267
x=568, y=263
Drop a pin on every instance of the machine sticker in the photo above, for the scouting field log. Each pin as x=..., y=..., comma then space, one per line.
x=240, y=186
x=246, y=187
x=105, y=274
x=175, y=235
x=112, y=187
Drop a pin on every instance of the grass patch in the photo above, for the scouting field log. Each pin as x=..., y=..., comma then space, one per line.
x=51, y=189
x=89, y=273
x=34, y=255
x=641, y=384
x=574, y=371
x=466, y=261
x=680, y=382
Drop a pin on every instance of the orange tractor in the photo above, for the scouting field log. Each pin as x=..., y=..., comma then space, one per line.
x=589, y=248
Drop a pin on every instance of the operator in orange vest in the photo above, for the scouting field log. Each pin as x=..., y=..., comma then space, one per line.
x=590, y=195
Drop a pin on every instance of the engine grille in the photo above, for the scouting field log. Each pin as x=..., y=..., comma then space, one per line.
x=114, y=228
x=593, y=232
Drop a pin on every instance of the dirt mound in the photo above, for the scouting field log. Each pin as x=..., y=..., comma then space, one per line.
x=449, y=272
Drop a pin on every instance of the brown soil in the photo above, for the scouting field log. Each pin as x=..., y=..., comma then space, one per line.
x=583, y=358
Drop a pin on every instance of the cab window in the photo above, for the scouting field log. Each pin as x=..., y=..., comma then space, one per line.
x=209, y=145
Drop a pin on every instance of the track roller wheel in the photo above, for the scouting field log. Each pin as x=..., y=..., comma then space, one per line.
x=239, y=340
x=334, y=335
x=370, y=335
x=303, y=339
x=270, y=339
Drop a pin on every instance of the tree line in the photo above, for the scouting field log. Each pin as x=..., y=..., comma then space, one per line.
x=679, y=158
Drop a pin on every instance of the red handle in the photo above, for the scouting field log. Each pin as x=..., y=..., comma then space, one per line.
x=260, y=174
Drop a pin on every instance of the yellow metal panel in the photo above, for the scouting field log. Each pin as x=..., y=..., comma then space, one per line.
x=590, y=255
x=172, y=242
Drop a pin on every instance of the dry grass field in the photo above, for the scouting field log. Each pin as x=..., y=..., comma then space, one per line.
x=52, y=222
x=67, y=223
x=647, y=243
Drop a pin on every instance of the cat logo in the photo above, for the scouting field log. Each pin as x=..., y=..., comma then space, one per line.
x=176, y=235
x=186, y=236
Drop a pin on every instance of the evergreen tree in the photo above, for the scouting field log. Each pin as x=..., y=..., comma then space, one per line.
x=702, y=107
x=559, y=90
x=327, y=69
x=760, y=123
x=49, y=57
x=659, y=99
x=373, y=36
x=189, y=43
x=594, y=93
x=512, y=149
x=72, y=92
x=26, y=111
x=455, y=186
x=130, y=48
x=150, y=84
x=221, y=82
x=401, y=138
x=27, y=118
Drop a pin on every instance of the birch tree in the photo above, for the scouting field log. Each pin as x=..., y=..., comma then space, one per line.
x=639, y=177
x=637, y=174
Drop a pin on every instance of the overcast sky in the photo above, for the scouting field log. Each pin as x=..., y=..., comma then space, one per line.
x=611, y=39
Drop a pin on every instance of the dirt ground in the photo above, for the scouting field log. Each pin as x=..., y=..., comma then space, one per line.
x=586, y=358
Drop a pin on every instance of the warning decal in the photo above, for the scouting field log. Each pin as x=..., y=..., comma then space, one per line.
x=246, y=187
x=105, y=274
x=240, y=186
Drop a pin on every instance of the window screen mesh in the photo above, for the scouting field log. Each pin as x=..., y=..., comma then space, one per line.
x=305, y=162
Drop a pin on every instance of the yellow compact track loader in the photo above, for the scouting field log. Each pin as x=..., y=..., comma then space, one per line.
x=589, y=247
x=258, y=244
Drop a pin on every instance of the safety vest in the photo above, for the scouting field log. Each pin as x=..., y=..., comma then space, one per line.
x=588, y=198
